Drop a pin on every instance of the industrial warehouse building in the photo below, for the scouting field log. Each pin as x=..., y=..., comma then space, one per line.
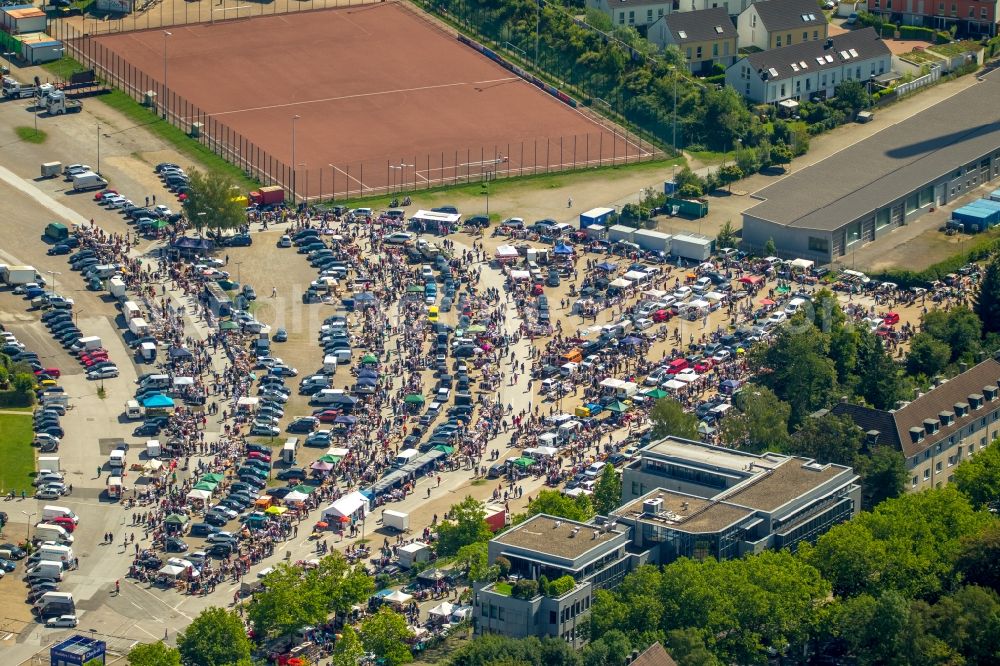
x=865, y=191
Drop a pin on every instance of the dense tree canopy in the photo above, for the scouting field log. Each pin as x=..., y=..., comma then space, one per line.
x=466, y=524
x=215, y=638
x=555, y=503
x=670, y=419
x=979, y=477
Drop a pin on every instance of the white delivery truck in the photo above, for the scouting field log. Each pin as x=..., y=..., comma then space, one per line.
x=56, y=552
x=129, y=309
x=88, y=180
x=138, y=326
x=133, y=410
x=17, y=275
x=117, y=459
x=87, y=343
x=404, y=457
x=289, y=450
x=50, y=511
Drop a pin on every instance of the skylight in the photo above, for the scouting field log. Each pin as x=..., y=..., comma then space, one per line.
x=803, y=64
x=845, y=55
x=795, y=67
x=808, y=17
x=682, y=34
x=829, y=58
x=820, y=61
x=718, y=29
x=853, y=53
x=772, y=71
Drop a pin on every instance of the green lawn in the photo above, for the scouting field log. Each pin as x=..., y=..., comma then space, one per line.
x=17, y=458
x=505, y=589
x=30, y=134
x=63, y=68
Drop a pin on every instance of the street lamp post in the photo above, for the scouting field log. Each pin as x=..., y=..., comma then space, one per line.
x=163, y=104
x=98, y=148
x=9, y=55
x=29, y=516
x=294, y=118
x=54, y=274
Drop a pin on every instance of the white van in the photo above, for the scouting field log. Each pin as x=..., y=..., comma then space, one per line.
x=117, y=459
x=131, y=311
x=340, y=355
x=50, y=511
x=45, y=570
x=156, y=382
x=405, y=456
x=50, y=598
x=327, y=397
x=51, y=532
x=289, y=450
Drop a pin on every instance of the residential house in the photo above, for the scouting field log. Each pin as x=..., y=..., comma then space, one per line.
x=644, y=13
x=809, y=70
x=705, y=37
x=774, y=24
x=976, y=18
x=938, y=429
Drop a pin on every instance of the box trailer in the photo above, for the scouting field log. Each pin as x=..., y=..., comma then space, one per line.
x=596, y=216
x=620, y=232
x=271, y=194
x=397, y=520
x=686, y=246
x=51, y=169
x=15, y=275
x=48, y=463
x=138, y=326
x=117, y=287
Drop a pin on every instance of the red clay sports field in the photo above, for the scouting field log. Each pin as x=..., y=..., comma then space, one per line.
x=385, y=99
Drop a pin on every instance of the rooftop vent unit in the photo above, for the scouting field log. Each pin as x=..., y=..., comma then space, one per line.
x=574, y=532
x=653, y=506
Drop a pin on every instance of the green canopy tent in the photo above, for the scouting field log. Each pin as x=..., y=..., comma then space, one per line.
x=414, y=399
x=205, y=485
x=447, y=450
x=524, y=461
x=213, y=478
x=476, y=328
x=656, y=394
x=333, y=460
x=303, y=488
x=415, y=289
x=369, y=358
x=176, y=519
x=228, y=326
x=618, y=407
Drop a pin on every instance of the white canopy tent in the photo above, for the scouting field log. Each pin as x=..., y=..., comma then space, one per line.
x=337, y=451
x=636, y=276
x=443, y=609
x=295, y=496
x=348, y=506
x=673, y=385
x=196, y=494
x=520, y=275
x=248, y=401
x=398, y=597
x=621, y=283
x=803, y=264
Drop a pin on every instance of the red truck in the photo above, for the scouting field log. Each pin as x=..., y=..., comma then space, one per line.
x=272, y=194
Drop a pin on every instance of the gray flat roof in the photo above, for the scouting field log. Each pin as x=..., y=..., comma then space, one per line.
x=889, y=164
x=555, y=536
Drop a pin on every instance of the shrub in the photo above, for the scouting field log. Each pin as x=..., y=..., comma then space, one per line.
x=525, y=589
x=561, y=586
x=916, y=32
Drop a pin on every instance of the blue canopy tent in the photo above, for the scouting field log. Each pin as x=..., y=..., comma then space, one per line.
x=366, y=381
x=632, y=340
x=158, y=401
x=607, y=266
x=367, y=372
x=343, y=419
x=562, y=249
x=179, y=352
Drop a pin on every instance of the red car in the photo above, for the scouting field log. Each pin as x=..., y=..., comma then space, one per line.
x=890, y=319
x=704, y=365
x=64, y=522
x=257, y=455
x=327, y=415
x=91, y=360
x=51, y=372
x=91, y=352
x=662, y=315
x=677, y=365
x=104, y=193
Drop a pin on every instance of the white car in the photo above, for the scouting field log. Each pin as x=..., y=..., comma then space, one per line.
x=285, y=241
x=47, y=493
x=399, y=238
x=656, y=376
x=776, y=318
x=687, y=375
x=682, y=292
x=643, y=324
x=120, y=202
x=22, y=288
x=61, y=621
x=46, y=478
x=108, y=372
x=268, y=361
x=74, y=169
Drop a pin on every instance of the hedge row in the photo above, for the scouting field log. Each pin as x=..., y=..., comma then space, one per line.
x=16, y=399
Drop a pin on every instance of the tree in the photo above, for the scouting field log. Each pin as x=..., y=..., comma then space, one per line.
x=466, y=524
x=883, y=474
x=726, y=118
x=876, y=376
x=670, y=419
x=979, y=558
x=497, y=650
x=690, y=191
x=729, y=174
x=474, y=559
x=828, y=439
x=213, y=203
x=959, y=328
x=608, y=493
x=769, y=248
x=285, y=604
x=781, y=154
x=987, y=304
x=978, y=478
x=348, y=649
x=154, y=654
x=215, y=638
x=798, y=368
x=608, y=649
x=874, y=629
x=760, y=422
x=555, y=503
x=385, y=634
x=928, y=356
x=726, y=236
x=687, y=647
x=852, y=96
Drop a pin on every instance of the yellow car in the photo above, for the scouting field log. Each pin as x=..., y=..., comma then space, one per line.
x=432, y=313
x=45, y=383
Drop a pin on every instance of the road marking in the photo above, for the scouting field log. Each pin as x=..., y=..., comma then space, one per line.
x=56, y=208
x=359, y=95
x=229, y=9
x=153, y=596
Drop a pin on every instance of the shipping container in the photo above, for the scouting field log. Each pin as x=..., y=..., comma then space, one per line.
x=686, y=246
x=995, y=195
x=652, y=241
x=620, y=232
x=596, y=216
x=694, y=208
x=271, y=194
